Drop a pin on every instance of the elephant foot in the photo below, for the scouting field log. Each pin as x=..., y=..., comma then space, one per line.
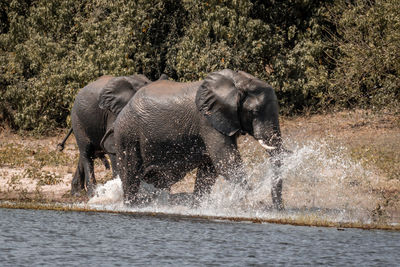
x=91, y=189
x=137, y=202
x=134, y=200
x=270, y=207
x=76, y=191
x=278, y=204
x=186, y=199
x=143, y=200
x=279, y=207
x=75, y=194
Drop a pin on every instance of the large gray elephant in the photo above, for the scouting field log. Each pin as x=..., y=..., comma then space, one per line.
x=90, y=122
x=168, y=129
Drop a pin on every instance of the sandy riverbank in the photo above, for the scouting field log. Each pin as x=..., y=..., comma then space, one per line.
x=346, y=159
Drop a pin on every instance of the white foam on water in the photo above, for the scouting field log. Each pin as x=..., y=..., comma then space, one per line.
x=109, y=194
x=319, y=180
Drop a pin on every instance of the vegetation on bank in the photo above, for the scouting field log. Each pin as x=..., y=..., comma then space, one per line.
x=318, y=55
x=32, y=170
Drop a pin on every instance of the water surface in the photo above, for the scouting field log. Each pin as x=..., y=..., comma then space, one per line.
x=53, y=238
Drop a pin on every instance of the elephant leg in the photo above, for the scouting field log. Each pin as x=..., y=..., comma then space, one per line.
x=130, y=186
x=78, y=181
x=90, y=180
x=205, y=179
x=226, y=158
x=130, y=170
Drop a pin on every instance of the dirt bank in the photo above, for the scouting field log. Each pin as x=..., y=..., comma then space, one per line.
x=32, y=170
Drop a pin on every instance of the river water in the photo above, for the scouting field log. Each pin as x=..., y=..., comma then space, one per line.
x=53, y=238
x=322, y=186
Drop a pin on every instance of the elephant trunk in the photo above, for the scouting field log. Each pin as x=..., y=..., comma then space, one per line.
x=275, y=149
x=276, y=181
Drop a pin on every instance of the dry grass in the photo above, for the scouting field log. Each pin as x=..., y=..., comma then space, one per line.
x=32, y=170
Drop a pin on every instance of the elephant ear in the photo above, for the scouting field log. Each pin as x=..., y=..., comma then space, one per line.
x=217, y=99
x=118, y=91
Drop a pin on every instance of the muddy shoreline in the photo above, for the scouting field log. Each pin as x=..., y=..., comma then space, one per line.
x=33, y=174
x=306, y=221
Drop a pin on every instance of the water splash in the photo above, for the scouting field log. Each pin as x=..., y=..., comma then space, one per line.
x=110, y=193
x=321, y=182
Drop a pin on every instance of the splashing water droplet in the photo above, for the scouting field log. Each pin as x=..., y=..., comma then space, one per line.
x=320, y=182
x=108, y=194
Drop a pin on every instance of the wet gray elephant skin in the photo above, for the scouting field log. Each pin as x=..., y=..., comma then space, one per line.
x=168, y=129
x=90, y=122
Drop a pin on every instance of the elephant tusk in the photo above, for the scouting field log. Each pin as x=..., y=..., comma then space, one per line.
x=267, y=147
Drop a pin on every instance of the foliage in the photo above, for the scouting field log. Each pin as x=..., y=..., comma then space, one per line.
x=316, y=54
x=368, y=67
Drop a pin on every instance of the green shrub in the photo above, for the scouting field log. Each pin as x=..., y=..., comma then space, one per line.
x=368, y=67
x=280, y=42
x=316, y=54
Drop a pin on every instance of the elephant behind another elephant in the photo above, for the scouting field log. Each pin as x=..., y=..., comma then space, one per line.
x=90, y=122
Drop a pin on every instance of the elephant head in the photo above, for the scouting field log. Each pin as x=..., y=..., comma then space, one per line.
x=235, y=101
x=119, y=90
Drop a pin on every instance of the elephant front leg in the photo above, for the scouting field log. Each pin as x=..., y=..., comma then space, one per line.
x=130, y=184
x=130, y=171
x=225, y=157
x=130, y=188
x=205, y=179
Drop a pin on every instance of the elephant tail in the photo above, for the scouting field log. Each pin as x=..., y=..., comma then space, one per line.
x=61, y=145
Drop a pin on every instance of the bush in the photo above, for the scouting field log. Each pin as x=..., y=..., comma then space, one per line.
x=280, y=42
x=368, y=67
x=316, y=54
x=53, y=48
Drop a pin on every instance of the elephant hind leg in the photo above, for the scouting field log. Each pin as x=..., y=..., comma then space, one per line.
x=90, y=180
x=205, y=179
x=85, y=174
x=78, y=181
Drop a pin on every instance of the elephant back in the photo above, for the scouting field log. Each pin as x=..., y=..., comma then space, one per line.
x=87, y=98
x=119, y=90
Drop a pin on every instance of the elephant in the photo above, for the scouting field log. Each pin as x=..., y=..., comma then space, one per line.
x=90, y=122
x=169, y=128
